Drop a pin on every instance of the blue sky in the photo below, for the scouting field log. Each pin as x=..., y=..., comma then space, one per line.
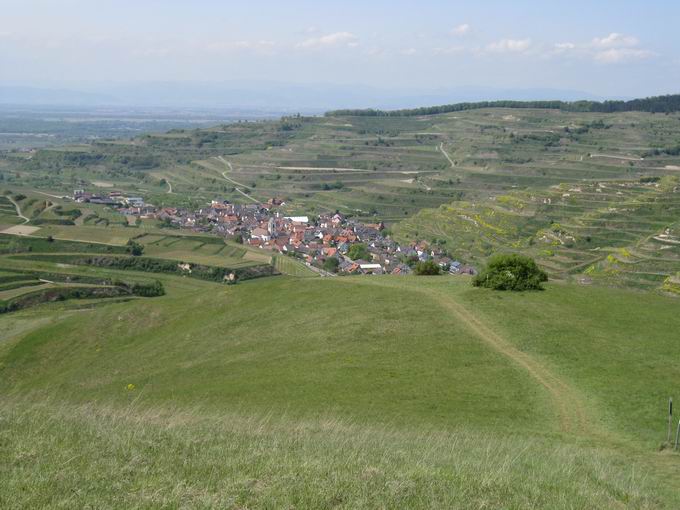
x=609, y=48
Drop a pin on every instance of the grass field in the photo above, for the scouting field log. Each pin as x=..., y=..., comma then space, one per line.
x=351, y=392
x=407, y=391
x=292, y=267
x=131, y=457
x=197, y=249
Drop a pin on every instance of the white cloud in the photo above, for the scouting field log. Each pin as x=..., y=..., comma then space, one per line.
x=565, y=46
x=612, y=49
x=409, y=51
x=618, y=55
x=509, y=46
x=615, y=40
x=450, y=50
x=336, y=39
x=461, y=30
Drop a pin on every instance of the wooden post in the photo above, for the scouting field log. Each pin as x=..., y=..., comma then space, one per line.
x=670, y=418
x=677, y=435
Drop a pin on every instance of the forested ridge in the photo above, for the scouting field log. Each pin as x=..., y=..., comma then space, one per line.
x=657, y=104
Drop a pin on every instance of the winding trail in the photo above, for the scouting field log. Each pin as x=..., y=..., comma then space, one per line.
x=16, y=206
x=231, y=169
x=569, y=404
x=446, y=155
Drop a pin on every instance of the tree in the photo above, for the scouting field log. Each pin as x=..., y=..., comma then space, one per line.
x=427, y=268
x=331, y=264
x=134, y=248
x=511, y=272
x=358, y=251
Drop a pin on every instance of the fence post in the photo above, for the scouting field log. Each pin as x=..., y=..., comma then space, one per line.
x=677, y=435
x=670, y=418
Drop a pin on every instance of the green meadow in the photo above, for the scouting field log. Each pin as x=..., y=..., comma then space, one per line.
x=132, y=382
x=340, y=392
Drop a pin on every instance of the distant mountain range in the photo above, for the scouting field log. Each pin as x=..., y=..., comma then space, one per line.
x=312, y=98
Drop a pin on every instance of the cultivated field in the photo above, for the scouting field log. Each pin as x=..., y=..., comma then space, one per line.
x=593, y=196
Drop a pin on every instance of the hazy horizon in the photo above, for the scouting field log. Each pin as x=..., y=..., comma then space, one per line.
x=304, y=54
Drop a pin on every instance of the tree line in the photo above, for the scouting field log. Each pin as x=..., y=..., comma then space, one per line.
x=657, y=104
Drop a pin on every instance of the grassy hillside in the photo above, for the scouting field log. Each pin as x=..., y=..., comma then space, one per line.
x=156, y=458
x=590, y=195
x=346, y=392
x=179, y=390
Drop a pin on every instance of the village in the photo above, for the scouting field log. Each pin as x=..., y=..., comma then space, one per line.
x=329, y=243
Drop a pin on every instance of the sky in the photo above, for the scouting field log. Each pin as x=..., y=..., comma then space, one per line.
x=611, y=48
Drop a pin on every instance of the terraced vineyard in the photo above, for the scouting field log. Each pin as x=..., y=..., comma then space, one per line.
x=25, y=283
x=621, y=232
x=37, y=270
x=8, y=215
x=198, y=249
x=593, y=196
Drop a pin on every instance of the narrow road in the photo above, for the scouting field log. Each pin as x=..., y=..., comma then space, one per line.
x=169, y=185
x=624, y=158
x=231, y=168
x=16, y=206
x=247, y=196
x=324, y=168
x=446, y=155
x=53, y=196
x=319, y=271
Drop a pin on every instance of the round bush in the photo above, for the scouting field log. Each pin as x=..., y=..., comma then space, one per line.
x=511, y=272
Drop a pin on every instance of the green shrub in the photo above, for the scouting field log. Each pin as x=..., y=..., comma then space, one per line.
x=331, y=264
x=134, y=248
x=427, y=268
x=359, y=251
x=511, y=272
